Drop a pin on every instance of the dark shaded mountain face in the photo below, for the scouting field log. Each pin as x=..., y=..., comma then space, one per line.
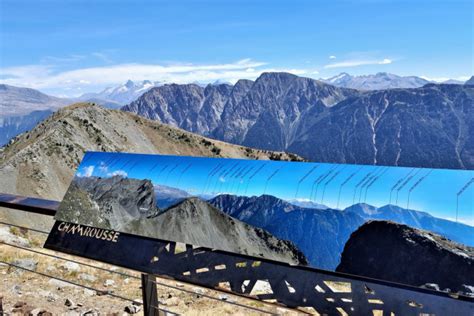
x=320, y=235
x=108, y=202
x=407, y=255
x=189, y=106
x=430, y=126
x=457, y=232
x=11, y=126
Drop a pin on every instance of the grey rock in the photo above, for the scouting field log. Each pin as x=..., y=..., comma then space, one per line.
x=69, y=303
x=132, y=309
x=60, y=284
x=89, y=292
x=71, y=266
x=87, y=277
x=109, y=283
x=29, y=264
x=7, y=237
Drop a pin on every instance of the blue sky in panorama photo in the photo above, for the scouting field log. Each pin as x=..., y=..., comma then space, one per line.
x=436, y=191
x=67, y=48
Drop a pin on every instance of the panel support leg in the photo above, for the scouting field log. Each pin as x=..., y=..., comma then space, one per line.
x=150, y=295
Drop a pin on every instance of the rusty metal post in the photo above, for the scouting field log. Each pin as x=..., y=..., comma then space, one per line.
x=149, y=295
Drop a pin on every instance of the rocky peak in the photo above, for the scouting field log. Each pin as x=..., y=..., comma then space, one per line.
x=399, y=253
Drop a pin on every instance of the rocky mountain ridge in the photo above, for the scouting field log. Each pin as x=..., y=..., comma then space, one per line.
x=129, y=205
x=321, y=122
x=41, y=162
x=322, y=234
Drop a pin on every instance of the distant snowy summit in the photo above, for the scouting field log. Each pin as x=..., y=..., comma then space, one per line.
x=123, y=94
x=378, y=81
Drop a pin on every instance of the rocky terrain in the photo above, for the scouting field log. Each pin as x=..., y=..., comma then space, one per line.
x=408, y=255
x=23, y=292
x=429, y=126
x=108, y=202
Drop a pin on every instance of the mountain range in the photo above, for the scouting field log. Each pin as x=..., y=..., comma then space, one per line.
x=322, y=234
x=430, y=126
x=41, y=162
x=122, y=94
x=378, y=81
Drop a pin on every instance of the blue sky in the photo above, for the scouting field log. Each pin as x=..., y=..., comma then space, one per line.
x=72, y=47
x=337, y=186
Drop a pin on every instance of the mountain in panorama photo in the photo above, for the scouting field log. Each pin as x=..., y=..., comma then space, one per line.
x=409, y=256
x=378, y=81
x=129, y=205
x=429, y=126
x=322, y=234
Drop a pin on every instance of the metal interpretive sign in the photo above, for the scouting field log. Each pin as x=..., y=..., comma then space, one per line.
x=125, y=209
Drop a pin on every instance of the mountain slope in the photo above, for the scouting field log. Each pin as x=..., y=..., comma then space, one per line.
x=407, y=255
x=197, y=222
x=430, y=126
x=379, y=81
x=320, y=235
x=42, y=161
x=15, y=101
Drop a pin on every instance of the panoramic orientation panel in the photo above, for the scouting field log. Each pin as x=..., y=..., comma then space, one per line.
x=293, y=212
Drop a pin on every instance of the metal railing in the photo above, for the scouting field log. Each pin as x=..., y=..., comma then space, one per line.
x=149, y=283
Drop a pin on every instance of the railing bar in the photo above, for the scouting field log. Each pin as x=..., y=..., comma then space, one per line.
x=24, y=227
x=70, y=260
x=222, y=301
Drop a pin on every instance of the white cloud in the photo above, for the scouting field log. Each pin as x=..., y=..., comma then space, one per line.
x=46, y=77
x=118, y=173
x=332, y=57
x=86, y=171
x=358, y=62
